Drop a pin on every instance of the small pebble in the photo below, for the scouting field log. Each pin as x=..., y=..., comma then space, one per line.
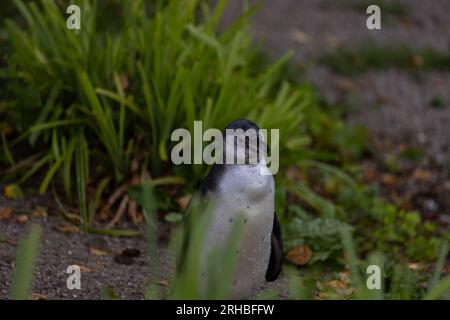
x=431, y=205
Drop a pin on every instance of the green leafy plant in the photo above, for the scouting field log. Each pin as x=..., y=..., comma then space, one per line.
x=322, y=235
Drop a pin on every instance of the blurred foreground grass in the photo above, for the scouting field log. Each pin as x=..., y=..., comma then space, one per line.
x=27, y=253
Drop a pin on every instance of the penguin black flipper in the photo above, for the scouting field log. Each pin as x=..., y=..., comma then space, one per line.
x=276, y=252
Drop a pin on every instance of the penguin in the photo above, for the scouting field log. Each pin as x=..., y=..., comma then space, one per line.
x=245, y=190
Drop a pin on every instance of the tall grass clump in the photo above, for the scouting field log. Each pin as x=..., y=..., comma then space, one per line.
x=85, y=103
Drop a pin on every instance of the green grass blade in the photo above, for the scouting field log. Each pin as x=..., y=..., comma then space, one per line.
x=27, y=253
x=440, y=264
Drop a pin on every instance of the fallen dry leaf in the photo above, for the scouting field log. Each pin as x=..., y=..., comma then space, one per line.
x=97, y=252
x=5, y=213
x=8, y=241
x=40, y=213
x=337, y=284
x=37, y=296
x=416, y=266
x=300, y=255
x=67, y=228
x=162, y=282
x=22, y=219
x=344, y=276
x=85, y=269
x=100, y=264
x=335, y=289
x=388, y=179
x=184, y=201
x=422, y=175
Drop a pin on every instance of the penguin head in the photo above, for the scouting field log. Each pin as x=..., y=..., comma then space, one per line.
x=243, y=124
x=243, y=142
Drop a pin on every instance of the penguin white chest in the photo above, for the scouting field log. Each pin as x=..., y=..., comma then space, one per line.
x=244, y=190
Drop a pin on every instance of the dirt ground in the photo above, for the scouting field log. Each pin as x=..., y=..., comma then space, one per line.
x=94, y=254
x=101, y=259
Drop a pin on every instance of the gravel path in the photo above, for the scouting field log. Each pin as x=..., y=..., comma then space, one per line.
x=95, y=254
